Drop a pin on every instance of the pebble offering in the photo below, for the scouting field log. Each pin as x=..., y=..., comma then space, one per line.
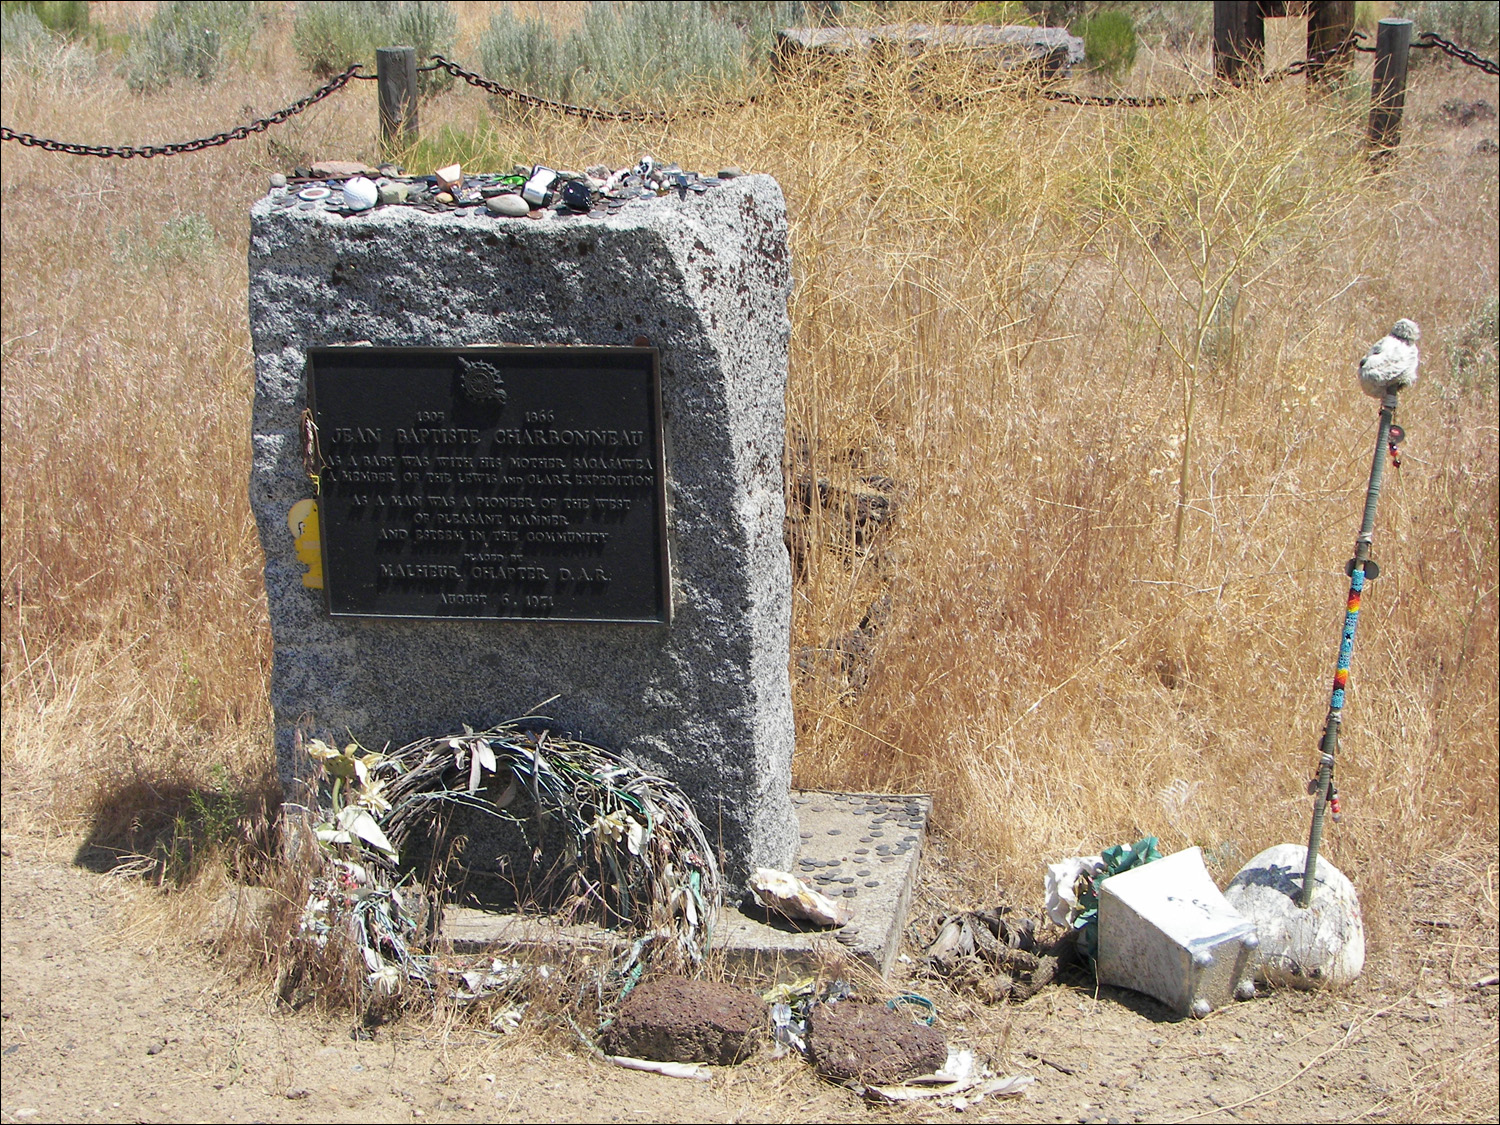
x=511, y=204
x=534, y=191
x=360, y=194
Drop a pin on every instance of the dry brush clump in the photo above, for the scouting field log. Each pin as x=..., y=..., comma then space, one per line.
x=1032, y=320
x=1102, y=359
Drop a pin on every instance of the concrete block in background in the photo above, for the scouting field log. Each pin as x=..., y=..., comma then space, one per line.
x=1166, y=931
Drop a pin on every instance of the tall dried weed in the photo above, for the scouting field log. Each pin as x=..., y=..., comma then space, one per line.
x=1103, y=361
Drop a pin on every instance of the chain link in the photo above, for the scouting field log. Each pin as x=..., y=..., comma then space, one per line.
x=1426, y=39
x=239, y=133
x=1124, y=101
x=533, y=100
x=1454, y=51
x=1151, y=101
x=1353, y=41
x=420, y=70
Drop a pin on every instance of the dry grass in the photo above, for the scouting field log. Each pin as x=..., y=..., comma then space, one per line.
x=1011, y=310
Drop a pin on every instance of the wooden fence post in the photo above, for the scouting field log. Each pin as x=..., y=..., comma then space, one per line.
x=1329, y=48
x=396, y=74
x=1388, y=98
x=1239, y=39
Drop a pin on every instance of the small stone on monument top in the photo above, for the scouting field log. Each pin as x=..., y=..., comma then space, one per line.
x=509, y=204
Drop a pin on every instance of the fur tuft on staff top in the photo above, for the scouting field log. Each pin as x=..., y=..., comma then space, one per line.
x=1391, y=365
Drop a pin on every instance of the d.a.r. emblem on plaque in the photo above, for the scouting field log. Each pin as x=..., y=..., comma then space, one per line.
x=482, y=381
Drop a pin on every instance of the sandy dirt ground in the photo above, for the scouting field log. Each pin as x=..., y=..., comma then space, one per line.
x=109, y=1014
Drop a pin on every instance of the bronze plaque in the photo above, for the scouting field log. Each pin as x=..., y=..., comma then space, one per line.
x=503, y=483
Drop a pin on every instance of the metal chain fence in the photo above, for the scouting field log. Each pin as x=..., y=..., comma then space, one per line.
x=1454, y=51
x=239, y=133
x=522, y=98
x=1149, y=101
x=1426, y=39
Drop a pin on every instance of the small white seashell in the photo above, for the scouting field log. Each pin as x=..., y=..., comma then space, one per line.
x=790, y=897
x=360, y=194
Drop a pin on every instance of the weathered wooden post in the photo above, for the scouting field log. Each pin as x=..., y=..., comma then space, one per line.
x=1329, y=46
x=1388, y=98
x=396, y=72
x=1239, y=38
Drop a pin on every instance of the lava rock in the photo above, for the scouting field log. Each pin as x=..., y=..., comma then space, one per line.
x=851, y=1041
x=681, y=1020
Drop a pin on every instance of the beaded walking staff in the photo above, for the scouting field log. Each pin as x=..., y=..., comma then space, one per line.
x=1361, y=568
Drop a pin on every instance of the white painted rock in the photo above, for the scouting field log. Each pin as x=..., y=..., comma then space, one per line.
x=360, y=194
x=1322, y=946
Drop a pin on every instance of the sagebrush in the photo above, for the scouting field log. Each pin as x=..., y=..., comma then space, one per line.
x=188, y=39
x=633, y=52
x=331, y=35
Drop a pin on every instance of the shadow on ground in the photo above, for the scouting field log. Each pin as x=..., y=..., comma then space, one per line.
x=163, y=828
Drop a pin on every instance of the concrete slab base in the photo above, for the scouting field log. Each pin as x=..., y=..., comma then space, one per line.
x=862, y=848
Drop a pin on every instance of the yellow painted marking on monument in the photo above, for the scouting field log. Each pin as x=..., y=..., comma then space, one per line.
x=302, y=520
